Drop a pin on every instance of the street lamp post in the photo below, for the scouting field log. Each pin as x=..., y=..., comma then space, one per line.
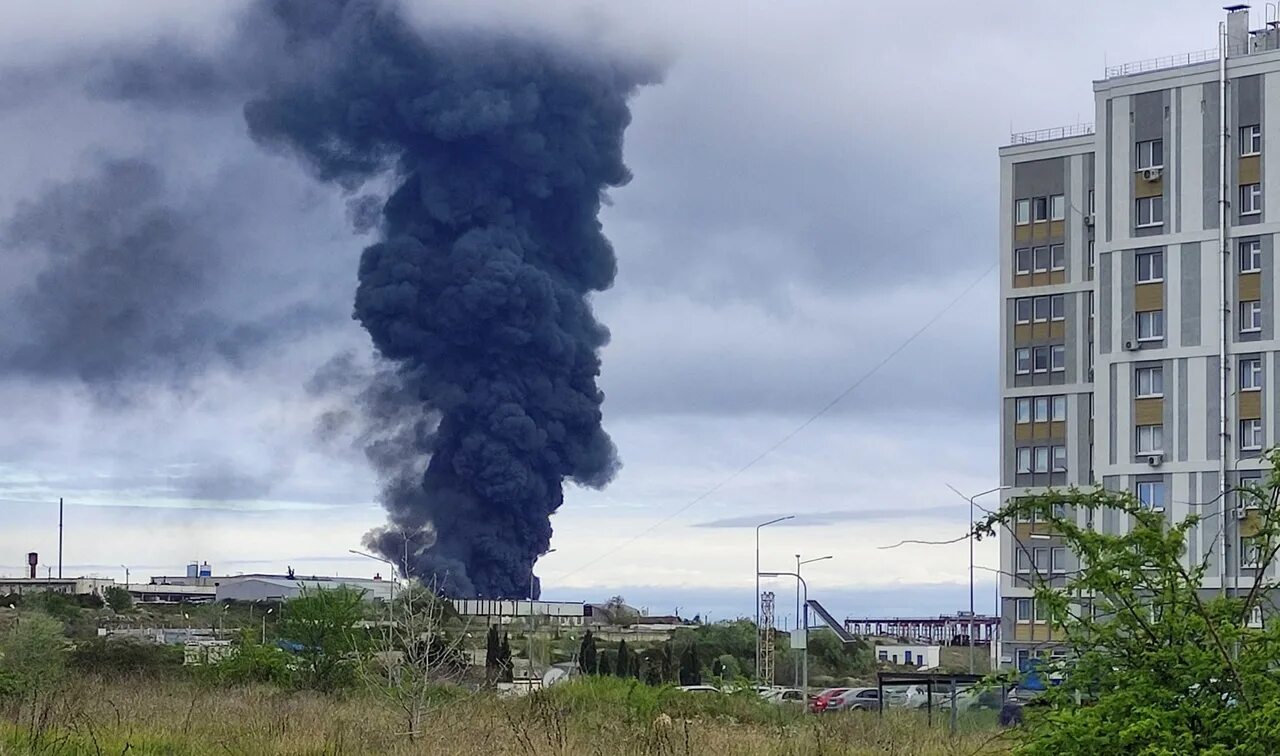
x=805, y=651
x=391, y=607
x=264, y=625
x=529, y=631
x=972, y=505
x=756, y=598
x=802, y=610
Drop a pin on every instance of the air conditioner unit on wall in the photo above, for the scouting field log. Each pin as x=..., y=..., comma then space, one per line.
x=1241, y=513
x=1088, y=220
x=1152, y=174
x=1155, y=460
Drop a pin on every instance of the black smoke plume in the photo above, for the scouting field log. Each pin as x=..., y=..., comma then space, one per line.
x=477, y=290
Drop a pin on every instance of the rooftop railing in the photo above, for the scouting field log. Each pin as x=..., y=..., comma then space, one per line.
x=1045, y=135
x=1157, y=64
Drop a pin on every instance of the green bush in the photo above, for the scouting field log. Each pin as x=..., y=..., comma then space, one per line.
x=118, y=598
x=250, y=662
x=33, y=655
x=110, y=657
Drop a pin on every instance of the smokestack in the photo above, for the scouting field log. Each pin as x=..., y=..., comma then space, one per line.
x=33, y=559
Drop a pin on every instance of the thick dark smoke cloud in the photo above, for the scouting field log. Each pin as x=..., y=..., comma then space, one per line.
x=119, y=269
x=476, y=292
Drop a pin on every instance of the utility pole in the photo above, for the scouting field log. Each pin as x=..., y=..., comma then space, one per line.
x=59, y=537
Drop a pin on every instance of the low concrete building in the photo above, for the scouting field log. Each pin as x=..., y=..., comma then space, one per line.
x=921, y=657
x=284, y=587
x=77, y=586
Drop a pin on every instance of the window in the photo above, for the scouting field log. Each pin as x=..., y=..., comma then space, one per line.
x=1042, y=409
x=1042, y=612
x=1250, y=199
x=1041, y=309
x=1057, y=307
x=1251, y=551
x=1058, y=359
x=1150, y=382
x=1022, y=658
x=1022, y=261
x=1040, y=558
x=1041, y=459
x=1059, y=459
x=1040, y=360
x=1059, y=409
x=1251, y=374
x=1057, y=257
x=1057, y=207
x=1150, y=266
x=1250, y=140
x=1039, y=209
x=1058, y=565
x=1150, y=154
x=1024, y=615
x=1150, y=211
x=1091, y=202
x=1150, y=439
x=1250, y=256
x=1151, y=325
x=1022, y=212
x=1093, y=256
x=1255, y=618
x=1151, y=494
x=906, y=657
x=1040, y=260
x=1022, y=310
x=1250, y=435
x=1022, y=361
x=1023, y=411
x=1250, y=316
x=1024, y=460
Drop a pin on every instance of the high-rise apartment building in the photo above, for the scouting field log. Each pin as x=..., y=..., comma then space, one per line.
x=1138, y=325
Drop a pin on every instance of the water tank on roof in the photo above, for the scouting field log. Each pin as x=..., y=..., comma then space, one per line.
x=206, y=570
x=193, y=570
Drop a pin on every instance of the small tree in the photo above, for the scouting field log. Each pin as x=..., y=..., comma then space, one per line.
x=323, y=625
x=622, y=663
x=588, y=656
x=606, y=664
x=418, y=661
x=118, y=599
x=492, y=652
x=690, y=666
x=505, y=668
x=33, y=667
x=1155, y=663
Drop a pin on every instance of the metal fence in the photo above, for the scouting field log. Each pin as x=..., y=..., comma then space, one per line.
x=1044, y=135
x=1156, y=64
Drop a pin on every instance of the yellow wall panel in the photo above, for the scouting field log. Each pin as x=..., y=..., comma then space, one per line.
x=1144, y=188
x=1148, y=411
x=1250, y=286
x=1148, y=296
x=1249, y=405
x=1250, y=170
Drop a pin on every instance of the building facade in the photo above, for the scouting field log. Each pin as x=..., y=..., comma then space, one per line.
x=1138, y=325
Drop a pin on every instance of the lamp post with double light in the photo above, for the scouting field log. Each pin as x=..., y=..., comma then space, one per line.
x=756, y=598
x=973, y=505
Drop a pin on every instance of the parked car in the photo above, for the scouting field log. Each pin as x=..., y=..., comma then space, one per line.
x=905, y=696
x=792, y=696
x=856, y=699
x=698, y=689
x=820, y=702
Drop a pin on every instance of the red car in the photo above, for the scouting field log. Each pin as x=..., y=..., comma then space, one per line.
x=820, y=702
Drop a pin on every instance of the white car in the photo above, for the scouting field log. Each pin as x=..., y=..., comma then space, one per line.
x=785, y=696
x=698, y=689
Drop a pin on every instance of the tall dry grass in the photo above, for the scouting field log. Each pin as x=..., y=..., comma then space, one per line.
x=598, y=717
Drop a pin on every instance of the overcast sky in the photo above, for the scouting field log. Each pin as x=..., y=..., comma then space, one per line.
x=814, y=182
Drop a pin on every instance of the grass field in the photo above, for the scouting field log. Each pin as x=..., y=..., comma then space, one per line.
x=596, y=717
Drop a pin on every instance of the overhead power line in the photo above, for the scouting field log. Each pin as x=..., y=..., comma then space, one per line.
x=794, y=432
